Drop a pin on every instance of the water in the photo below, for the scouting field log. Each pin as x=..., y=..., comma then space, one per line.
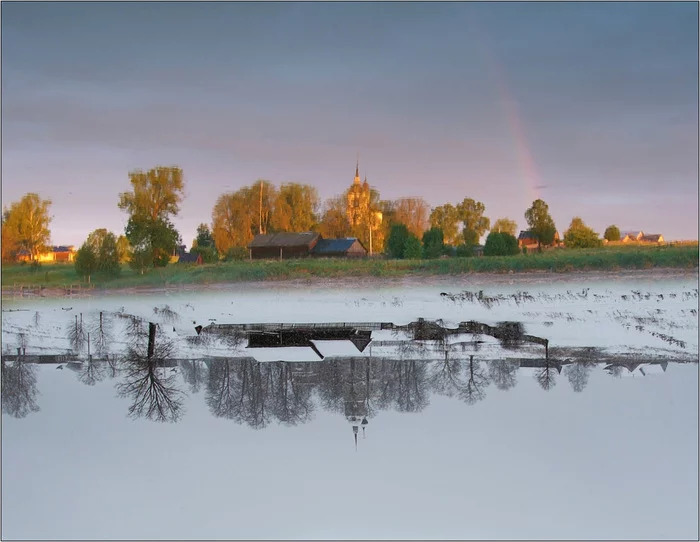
x=463, y=439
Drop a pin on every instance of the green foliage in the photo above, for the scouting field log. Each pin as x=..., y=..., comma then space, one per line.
x=612, y=233
x=541, y=223
x=236, y=254
x=464, y=251
x=445, y=218
x=504, y=225
x=152, y=239
x=204, y=245
x=412, y=248
x=501, y=244
x=296, y=208
x=86, y=263
x=581, y=236
x=25, y=226
x=396, y=244
x=471, y=213
x=156, y=196
x=108, y=256
x=433, y=243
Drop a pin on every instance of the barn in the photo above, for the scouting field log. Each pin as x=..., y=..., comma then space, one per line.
x=283, y=245
x=349, y=247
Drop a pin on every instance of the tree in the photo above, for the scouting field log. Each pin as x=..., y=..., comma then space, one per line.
x=433, y=243
x=577, y=373
x=541, y=223
x=471, y=214
x=105, y=248
x=25, y=226
x=204, y=245
x=153, y=241
x=155, y=198
x=505, y=225
x=295, y=208
x=445, y=217
x=123, y=249
x=581, y=236
x=396, y=244
x=334, y=221
x=412, y=248
x=19, y=390
x=500, y=244
x=86, y=261
x=612, y=233
x=413, y=212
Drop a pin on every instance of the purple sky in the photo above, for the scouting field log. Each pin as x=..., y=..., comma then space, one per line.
x=591, y=106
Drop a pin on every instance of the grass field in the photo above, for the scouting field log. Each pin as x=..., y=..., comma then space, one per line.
x=560, y=260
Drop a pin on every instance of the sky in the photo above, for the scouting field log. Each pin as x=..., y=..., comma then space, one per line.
x=592, y=107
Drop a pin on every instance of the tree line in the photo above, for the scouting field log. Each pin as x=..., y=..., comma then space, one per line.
x=401, y=228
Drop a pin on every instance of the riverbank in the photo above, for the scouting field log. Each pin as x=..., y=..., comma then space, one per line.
x=51, y=280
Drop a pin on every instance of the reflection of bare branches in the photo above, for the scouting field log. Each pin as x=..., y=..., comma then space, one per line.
x=168, y=315
x=503, y=373
x=37, y=319
x=77, y=334
x=101, y=335
x=546, y=377
x=19, y=391
x=445, y=376
x=577, y=374
x=474, y=389
x=194, y=373
x=154, y=395
x=22, y=341
x=291, y=403
x=93, y=371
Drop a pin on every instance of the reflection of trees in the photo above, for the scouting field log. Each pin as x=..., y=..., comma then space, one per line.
x=292, y=402
x=93, y=371
x=445, y=378
x=19, y=391
x=101, y=335
x=503, y=373
x=194, y=373
x=77, y=334
x=577, y=373
x=476, y=383
x=546, y=376
x=239, y=390
x=153, y=393
x=404, y=385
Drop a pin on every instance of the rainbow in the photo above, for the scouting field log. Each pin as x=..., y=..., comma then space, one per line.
x=532, y=180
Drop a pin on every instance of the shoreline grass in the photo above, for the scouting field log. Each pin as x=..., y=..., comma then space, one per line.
x=559, y=261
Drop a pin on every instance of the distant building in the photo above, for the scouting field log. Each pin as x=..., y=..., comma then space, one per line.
x=189, y=257
x=651, y=238
x=528, y=239
x=349, y=247
x=283, y=245
x=61, y=254
x=631, y=235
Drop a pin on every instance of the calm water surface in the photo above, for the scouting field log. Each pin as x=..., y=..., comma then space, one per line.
x=460, y=438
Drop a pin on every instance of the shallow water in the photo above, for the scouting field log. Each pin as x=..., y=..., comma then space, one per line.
x=463, y=438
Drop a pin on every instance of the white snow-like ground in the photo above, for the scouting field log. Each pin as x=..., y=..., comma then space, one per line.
x=639, y=315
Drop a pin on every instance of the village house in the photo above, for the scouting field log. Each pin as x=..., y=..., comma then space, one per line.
x=527, y=239
x=56, y=254
x=283, y=245
x=349, y=247
x=631, y=236
x=651, y=238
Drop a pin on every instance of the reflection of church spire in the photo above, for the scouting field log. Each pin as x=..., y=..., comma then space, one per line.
x=354, y=430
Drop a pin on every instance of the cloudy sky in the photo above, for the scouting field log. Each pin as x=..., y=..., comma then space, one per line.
x=591, y=106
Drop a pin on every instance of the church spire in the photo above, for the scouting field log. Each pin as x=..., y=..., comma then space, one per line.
x=357, y=170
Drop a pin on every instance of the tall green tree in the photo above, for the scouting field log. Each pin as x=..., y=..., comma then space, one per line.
x=445, y=217
x=500, y=244
x=412, y=249
x=541, y=223
x=471, y=214
x=153, y=201
x=433, y=243
x=396, y=243
x=612, y=233
x=104, y=246
x=86, y=263
x=25, y=226
x=204, y=245
x=504, y=225
x=581, y=236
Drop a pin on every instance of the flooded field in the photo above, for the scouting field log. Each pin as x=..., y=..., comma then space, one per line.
x=495, y=410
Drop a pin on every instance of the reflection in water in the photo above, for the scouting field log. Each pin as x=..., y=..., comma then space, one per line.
x=19, y=391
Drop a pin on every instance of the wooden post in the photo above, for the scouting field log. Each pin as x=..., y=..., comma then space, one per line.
x=280, y=253
x=151, y=339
